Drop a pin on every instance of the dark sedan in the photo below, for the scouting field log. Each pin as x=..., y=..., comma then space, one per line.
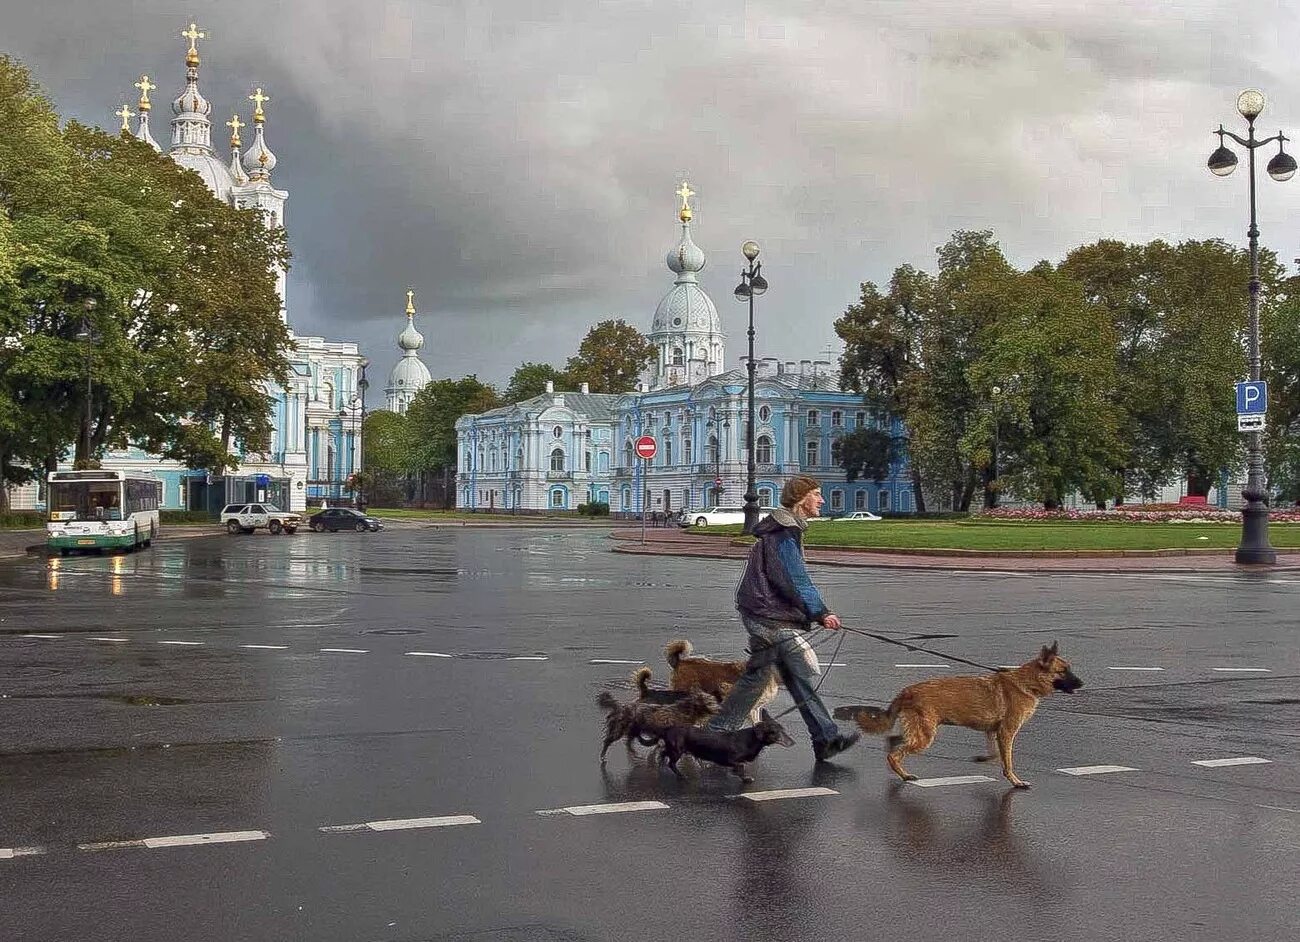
x=343, y=518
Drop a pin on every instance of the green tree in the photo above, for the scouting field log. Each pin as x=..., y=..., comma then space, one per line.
x=431, y=419
x=610, y=358
x=530, y=379
x=866, y=453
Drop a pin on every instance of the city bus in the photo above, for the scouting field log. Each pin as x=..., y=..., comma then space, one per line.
x=99, y=510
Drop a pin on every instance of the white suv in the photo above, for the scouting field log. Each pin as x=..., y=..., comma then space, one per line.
x=720, y=516
x=245, y=518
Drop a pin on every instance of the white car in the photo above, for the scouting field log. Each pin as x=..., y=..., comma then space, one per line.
x=720, y=516
x=245, y=518
x=858, y=516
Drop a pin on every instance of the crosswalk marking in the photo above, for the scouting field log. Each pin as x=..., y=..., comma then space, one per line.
x=404, y=824
x=179, y=840
x=777, y=794
x=1096, y=769
x=950, y=780
x=425, y=654
x=1242, y=670
x=1239, y=760
x=9, y=853
x=344, y=651
x=612, y=808
x=267, y=647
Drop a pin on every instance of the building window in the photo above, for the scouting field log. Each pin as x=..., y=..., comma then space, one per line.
x=668, y=452
x=837, y=499
x=860, y=419
x=588, y=462
x=678, y=359
x=905, y=502
x=882, y=501
x=763, y=450
x=765, y=497
x=626, y=498
x=688, y=451
x=629, y=455
x=814, y=417
x=519, y=459
x=860, y=500
x=811, y=450
x=558, y=431
x=764, y=414
x=557, y=459
x=714, y=454
x=557, y=499
x=837, y=418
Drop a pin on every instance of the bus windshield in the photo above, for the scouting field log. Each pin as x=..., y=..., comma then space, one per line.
x=86, y=500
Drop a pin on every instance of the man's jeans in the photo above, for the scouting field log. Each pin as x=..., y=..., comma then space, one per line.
x=775, y=645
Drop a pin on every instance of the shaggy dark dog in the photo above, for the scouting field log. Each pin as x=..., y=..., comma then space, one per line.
x=646, y=722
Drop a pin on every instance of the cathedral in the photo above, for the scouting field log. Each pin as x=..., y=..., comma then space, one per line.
x=316, y=418
x=565, y=448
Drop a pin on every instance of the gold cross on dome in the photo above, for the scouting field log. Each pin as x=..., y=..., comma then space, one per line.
x=257, y=96
x=235, y=124
x=193, y=34
x=410, y=302
x=124, y=114
x=685, y=192
x=145, y=87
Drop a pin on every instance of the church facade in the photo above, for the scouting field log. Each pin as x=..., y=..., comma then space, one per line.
x=563, y=448
x=316, y=417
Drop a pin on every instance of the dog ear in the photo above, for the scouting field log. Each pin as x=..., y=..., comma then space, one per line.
x=1045, y=656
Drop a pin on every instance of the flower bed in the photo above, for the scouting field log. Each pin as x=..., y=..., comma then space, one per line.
x=1132, y=513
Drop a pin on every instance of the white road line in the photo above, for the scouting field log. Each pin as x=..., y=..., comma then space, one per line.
x=180, y=840
x=1242, y=670
x=9, y=853
x=114, y=640
x=46, y=637
x=1135, y=668
x=267, y=647
x=950, y=780
x=777, y=794
x=614, y=808
x=1096, y=769
x=937, y=667
x=404, y=824
x=344, y=651
x=425, y=654
x=838, y=664
x=1240, y=760
x=603, y=660
x=529, y=657
x=185, y=643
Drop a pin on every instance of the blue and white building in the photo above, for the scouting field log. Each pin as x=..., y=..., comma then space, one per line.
x=561, y=449
x=316, y=417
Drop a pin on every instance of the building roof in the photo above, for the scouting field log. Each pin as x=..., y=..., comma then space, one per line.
x=597, y=407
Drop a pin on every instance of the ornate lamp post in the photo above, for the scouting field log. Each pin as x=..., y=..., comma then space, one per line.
x=85, y=336
x=752, y=284
x=362, y=385
x=717, y=430
x=1254, y=546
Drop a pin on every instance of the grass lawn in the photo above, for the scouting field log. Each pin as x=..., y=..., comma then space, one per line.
x=1011, y=536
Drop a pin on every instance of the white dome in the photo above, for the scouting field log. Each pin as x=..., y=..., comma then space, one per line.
x=213, y=171
x=686, y=308
x=410, y=338
x=687, y=257
x=191, y=101
x=409, y=373
x=258, y=159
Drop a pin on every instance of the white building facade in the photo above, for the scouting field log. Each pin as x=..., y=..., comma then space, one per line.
x=561, y=449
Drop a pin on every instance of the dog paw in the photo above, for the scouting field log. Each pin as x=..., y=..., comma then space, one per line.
x=1022, y=784
x=982, y=758
x=908, y=777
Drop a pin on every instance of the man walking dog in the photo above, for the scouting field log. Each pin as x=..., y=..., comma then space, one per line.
x=777, y=602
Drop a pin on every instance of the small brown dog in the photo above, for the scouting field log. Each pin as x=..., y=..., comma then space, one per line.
x=715, y=677
x=997, y=705
x=646, y=721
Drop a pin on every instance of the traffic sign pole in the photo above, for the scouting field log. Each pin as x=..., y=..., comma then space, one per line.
x=646, y=448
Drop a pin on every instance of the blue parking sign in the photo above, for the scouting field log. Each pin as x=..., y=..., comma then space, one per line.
x=1252, y=398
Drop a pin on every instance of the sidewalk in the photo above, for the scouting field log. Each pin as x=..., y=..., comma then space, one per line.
x=682, y=543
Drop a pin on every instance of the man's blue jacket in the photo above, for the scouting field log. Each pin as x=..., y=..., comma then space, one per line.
x=776, y=585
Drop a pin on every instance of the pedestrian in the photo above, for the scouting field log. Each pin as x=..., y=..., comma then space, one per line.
x=778, y=602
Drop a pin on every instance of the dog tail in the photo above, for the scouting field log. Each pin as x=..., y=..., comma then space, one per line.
x=674, y=651
x=642, y=680
x=869, y=719
x=606, y=701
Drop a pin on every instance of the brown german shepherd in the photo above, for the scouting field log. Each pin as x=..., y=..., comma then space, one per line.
x=997, y=705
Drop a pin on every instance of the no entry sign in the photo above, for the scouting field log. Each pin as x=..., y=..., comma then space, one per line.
x=646, y=447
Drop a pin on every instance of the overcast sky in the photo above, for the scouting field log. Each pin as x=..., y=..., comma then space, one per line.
x=517, y=167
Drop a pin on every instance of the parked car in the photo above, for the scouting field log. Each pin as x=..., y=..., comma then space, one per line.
x=343, y=518
x=245, y=518
x=720, y=516
x=858, y=516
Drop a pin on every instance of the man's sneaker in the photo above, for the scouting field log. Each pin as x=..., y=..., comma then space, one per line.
x=825, y=751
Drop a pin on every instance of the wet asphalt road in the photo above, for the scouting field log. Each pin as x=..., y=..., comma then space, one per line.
x=250, y=731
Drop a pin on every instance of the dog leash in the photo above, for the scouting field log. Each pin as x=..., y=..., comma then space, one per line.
x=826, y=673
x=918, y=649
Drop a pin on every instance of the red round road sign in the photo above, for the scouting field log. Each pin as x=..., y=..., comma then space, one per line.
x=646, y=447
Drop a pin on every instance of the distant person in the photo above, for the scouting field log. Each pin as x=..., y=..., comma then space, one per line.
x=777, y=603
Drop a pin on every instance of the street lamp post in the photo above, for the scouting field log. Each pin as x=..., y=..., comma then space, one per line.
x=84, y=336
x=1254, y=546
x=362, y=385
x=717, y=430
x=752, y=284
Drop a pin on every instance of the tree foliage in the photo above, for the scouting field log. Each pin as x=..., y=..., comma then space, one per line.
x=611, y=358
x=867, y=454
x=431, y=419
x=530, y=379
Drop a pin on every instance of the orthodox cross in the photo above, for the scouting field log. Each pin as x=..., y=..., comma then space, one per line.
x=259, y=115
x=124, y=114
x=145, y=87
x=193, y=34
x=235, y=124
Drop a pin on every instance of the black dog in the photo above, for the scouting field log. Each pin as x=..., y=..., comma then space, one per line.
x=732, y=748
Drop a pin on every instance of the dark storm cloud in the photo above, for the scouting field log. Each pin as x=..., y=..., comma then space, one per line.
x=515, y=162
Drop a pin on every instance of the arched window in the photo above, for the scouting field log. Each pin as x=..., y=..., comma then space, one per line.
x=588, y=460
x=763, y=450
x=765, y=497
x=625, y=499
x=668, y=451
x=814, y=417
x=519, y=460
x=860, y=500
x=629, y=455
x=837, y=418
x=837, y=499
x=713, y=449
x=603, y=462
x=882, y=501
x=688, y=451
x=557, y=498
x=557, y=459
x=678, y=358
x=812, y=450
